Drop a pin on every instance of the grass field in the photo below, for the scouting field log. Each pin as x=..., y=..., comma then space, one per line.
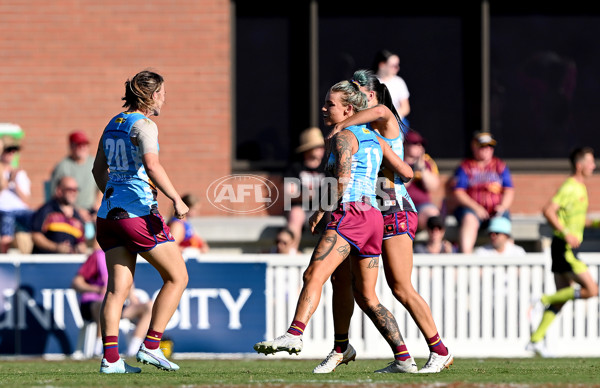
x=270, y=372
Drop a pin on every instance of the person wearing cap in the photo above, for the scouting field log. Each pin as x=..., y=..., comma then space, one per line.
x=426, y=180
x=436, y=243
x=501, y=243
x=482, y=189
x=302, y=182
x=14, y=198
x=78, y=164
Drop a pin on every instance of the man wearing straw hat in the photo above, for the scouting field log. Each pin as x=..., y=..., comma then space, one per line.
x=303, y=181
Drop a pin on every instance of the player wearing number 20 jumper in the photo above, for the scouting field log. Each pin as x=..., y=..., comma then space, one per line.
x=128, y=172
x=129, y=187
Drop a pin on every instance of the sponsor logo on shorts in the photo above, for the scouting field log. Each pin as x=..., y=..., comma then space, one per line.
x=242, y=194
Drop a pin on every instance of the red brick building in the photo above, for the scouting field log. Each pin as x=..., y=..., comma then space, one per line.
x=64, y=64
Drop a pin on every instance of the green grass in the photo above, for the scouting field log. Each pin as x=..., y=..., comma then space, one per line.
x=296, y=372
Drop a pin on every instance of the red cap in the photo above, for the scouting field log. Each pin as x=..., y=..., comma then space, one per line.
x=78, y=137
x=414, y=137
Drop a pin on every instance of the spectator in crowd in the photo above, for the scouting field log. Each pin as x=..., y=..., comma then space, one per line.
x=566, y=212
x=284, y=242
x=90, y=282
x=482, y=188
x=501, y=243
x=426, y=180
x=78, y=164
x=303, y=182
x=436, y=243
x=386, y=66
x=57, y=226
x=182, y=229
x=14, y=197
x=3, y=180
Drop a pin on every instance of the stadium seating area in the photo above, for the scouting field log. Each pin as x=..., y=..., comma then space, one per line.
x=257, y=234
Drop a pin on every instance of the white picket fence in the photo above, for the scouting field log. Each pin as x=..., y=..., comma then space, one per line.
x=480, y=306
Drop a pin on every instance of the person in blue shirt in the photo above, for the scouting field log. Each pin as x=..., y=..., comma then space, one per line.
x=400, y=226
x=356, y=226
x=127, y=170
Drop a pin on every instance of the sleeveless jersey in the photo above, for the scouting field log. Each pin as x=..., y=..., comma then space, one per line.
x=392, y=193
x=365, y=167
x=129, y=188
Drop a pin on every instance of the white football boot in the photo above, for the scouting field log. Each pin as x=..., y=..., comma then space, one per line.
x=437, y=363
x=397, y=366
x=334, y=359
x=286, y=343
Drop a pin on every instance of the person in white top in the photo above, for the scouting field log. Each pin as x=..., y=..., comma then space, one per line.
x=14, y=208
x=386, y=66
x=501, y=241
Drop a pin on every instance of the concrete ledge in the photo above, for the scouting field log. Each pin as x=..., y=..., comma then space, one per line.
x=257, y=234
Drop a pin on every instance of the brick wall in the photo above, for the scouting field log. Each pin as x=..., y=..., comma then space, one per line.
x=532, y=191
x=64, y=64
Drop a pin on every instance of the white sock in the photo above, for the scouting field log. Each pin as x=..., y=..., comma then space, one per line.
x=134, y=346
x=99, y=347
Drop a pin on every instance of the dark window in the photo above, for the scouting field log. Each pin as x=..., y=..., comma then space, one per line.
x=544, y=83
x=543, y=73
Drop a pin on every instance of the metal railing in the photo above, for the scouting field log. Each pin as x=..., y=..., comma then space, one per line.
x=480, y=306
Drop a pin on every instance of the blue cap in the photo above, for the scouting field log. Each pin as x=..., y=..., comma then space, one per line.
x=500, y=225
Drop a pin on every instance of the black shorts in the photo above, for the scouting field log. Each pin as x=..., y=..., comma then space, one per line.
x=565, y=258
x=86, y=311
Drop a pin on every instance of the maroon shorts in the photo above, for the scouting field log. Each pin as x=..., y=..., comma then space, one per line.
x=361, y=225
x=138, y=234
x=400, y=223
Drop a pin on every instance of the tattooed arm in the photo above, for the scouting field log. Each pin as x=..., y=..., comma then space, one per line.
x=343, y=146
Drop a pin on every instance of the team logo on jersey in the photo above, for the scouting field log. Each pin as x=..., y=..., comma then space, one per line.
x=242, y=194
x=365, y=130
x=119, y=120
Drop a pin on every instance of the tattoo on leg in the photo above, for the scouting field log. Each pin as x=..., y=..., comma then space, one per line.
x=324, y=247
x=344, y=250
x=386, y=324
x=374, y=263
x=310, y=310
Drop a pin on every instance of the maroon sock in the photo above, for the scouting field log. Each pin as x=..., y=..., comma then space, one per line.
x=297, y=328
x=437, y=346
x=111, y=348
x=152, y=340
x=401, y=353
x=340, y=344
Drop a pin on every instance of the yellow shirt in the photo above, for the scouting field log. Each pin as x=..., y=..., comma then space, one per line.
x=572, y=200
